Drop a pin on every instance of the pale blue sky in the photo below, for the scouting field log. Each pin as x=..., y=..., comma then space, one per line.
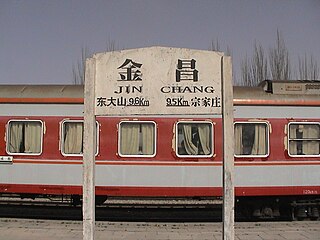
x=41, y=40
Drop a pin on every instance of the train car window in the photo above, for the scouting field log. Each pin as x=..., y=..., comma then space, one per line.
x=304, y=139
x=194, y=139
x=71, y=138
x=251, y=139
x=24, y=137
x=137, y=139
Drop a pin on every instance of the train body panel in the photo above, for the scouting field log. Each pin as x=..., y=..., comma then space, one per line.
x=280, y=170
x=113, y=179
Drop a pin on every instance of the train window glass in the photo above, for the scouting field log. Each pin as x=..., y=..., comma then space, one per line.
x=304, y=139
x=137, y=139
x=72, y=138
x=24, y=137
x=251, y=139
x=194, y=139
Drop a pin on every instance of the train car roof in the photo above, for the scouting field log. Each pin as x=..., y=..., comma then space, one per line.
x=279, y=93
x=267, y=93
x=41, y=93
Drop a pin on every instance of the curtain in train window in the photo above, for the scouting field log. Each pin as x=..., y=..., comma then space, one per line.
x=72, y=134
x=72, y=138
x=194, y=139
x=304, y=139
x=24, y=137
x=137, y=138
x=251, y=139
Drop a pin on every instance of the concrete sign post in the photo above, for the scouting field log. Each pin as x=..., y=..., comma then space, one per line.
x=156, y=81
x=88, y=200
x=228, y=150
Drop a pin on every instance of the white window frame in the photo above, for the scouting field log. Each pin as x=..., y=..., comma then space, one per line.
x=193, y=156
x=137, y=155
x=289, y=139
x=61, y=140
x=267, y=138
x=25, y=120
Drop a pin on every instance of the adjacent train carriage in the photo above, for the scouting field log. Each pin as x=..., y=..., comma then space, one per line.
x=277, y=142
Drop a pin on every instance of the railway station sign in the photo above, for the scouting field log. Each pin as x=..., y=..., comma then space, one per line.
x=158, y=80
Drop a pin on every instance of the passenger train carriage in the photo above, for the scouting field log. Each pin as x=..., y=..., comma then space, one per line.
x=277, y=141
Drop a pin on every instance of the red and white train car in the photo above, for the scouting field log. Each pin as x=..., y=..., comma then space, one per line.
x=277, y=142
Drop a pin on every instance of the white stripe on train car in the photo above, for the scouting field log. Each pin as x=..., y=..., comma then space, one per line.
x=240, y=111
x=305, y=112
x=160, y=176
x=41, y=110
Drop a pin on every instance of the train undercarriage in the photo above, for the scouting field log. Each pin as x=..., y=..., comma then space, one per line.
x=294, y=208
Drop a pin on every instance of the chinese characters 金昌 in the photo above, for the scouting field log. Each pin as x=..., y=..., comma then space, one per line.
x=186, y=70
x=130, y=71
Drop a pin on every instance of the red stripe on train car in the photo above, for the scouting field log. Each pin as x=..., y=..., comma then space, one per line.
x=42, y=100
x=276, y=102
x=162, y=191
x=235, y=101
x=277, y=191
x=169, y=163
